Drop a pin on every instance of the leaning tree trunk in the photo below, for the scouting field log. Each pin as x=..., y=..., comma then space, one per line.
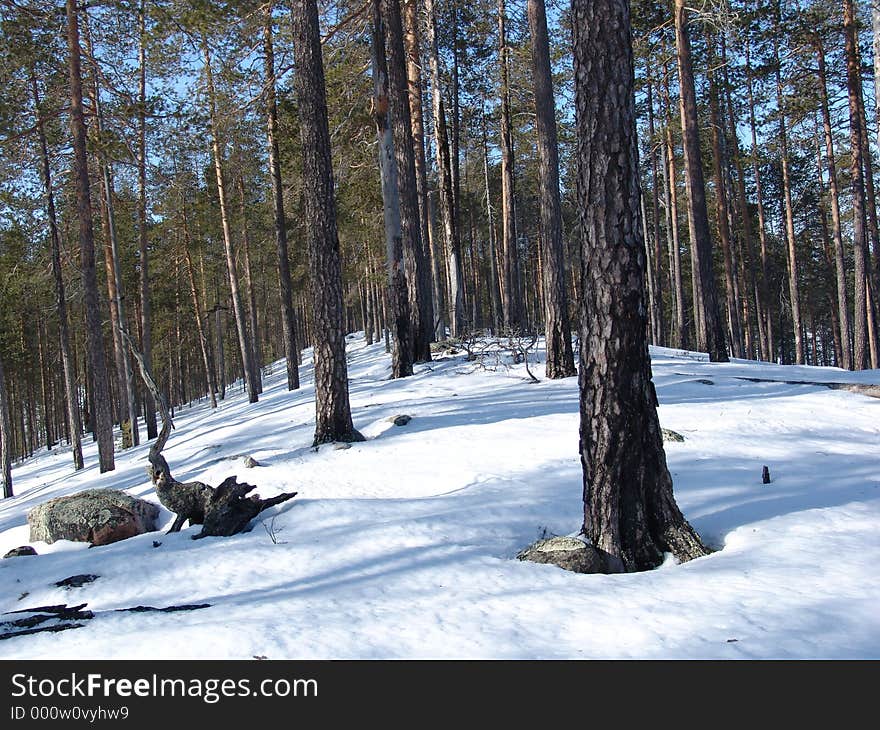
x=398, y=295
x=629, y=507
x=71, y=398
x=5, y=437
x=101, y=415
x=560, y=358
x=333, y=411
x=710, y=333
x=288, y=322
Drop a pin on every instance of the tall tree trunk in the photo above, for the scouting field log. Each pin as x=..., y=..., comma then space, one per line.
x=256, y=373
x=5, y=437
x=288, y=323
x=118, y=323
x=410, y=223
x=398, y=296
x=791, y=250
x=770, y=345
x=629, y=507
x=451, y=232
x=671, y=199
x=430, y=304
x=745, y=215
x=333, y=412
x=710, y=333
x=197, y=308
x=734, y=324
x=101, y=415
x=560, y=358
x=657, y=318
x=836, y=231
x=513, y=316
x=71, y=398
x=494, y=288
x=860, y=245
x=143, y=245
x=240, y=322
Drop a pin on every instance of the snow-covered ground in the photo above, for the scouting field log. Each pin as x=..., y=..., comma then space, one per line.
x=404, y=545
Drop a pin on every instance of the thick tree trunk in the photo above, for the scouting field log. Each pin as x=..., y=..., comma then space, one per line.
x=430, y=304
x=791, y=251
x=244, y=342
x=398, y=295
x=451, y=233
x=410, y=223
x=560, y=359
x=710, y=333
x=333, y=412
x=71, y=398
x=513, y=315
x=629, y=507
x=101, y=415
x=288, y=323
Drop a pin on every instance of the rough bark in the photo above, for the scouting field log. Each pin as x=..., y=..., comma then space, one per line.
x=288, y=322
x=71, y=398
x=398, y=295
x=710, y=333
x=629, y=507
x=333, y=412
x=101, y=415
x=560, y=358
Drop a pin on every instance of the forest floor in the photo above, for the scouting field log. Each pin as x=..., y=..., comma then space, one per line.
x=404, y=546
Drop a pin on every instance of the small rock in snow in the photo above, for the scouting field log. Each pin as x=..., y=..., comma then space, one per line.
x=341, y=445
x=250, y=462
x=572, y=554
x=20, y=552
x=670, y=435
x=77, y=581
x=400, y=420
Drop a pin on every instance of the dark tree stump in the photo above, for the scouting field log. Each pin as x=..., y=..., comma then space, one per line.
x=223, y=511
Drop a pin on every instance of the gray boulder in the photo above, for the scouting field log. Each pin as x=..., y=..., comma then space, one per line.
x=572, y=554
x=670, y=435
x=98, y=516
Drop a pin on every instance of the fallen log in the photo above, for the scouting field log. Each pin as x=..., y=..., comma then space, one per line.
x=221, y=512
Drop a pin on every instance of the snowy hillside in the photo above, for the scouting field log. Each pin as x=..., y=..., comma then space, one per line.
x=403, y=546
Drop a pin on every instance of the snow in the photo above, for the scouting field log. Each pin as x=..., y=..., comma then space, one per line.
x=403, y=546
